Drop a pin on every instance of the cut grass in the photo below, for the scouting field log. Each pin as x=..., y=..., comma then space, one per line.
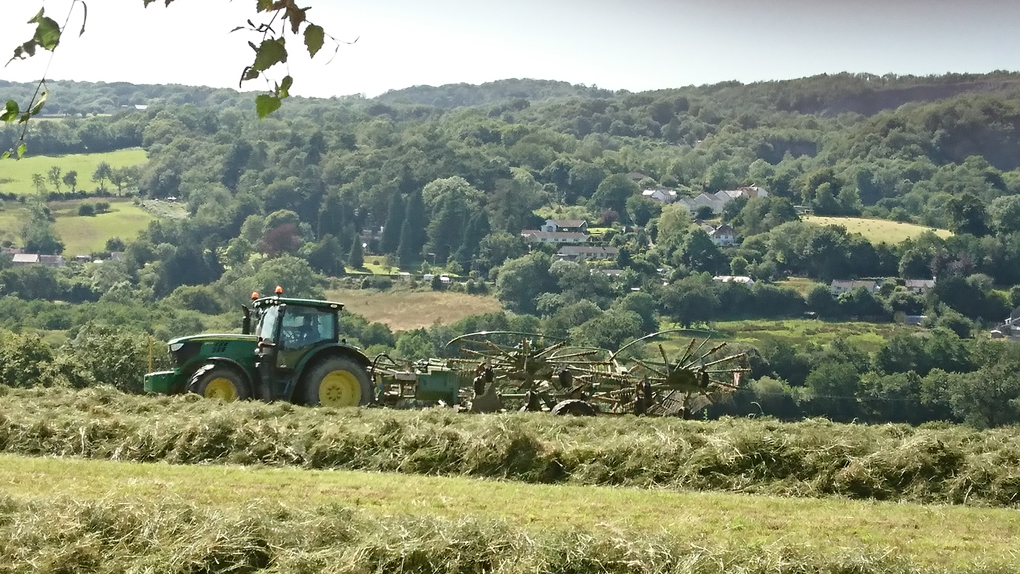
x=813, y=458
x=17, y=175
x=403, y=310
x=877, y=230
x=84, y=235
x=923, y=535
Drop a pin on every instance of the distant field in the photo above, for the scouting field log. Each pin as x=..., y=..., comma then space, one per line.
x=869, y=336
x=16, y=176
x=404, y=310
x=802, y=285
x=877, y=230
x=84, y=235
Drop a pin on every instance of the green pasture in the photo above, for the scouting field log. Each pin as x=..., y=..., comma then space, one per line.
x=81, y=235
x=877, y=230
x=16, y=176
x=926, y=536
x=798, y=332
x=84, y=235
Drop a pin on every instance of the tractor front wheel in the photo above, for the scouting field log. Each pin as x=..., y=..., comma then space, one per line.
x=219, y=382
x=338, y=382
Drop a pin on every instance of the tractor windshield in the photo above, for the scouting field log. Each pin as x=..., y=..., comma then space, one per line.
x=266, y=328
x=304, y=326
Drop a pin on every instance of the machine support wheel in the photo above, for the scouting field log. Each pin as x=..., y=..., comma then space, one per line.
x=575, y=407
x=338, y=382
x=219, y=382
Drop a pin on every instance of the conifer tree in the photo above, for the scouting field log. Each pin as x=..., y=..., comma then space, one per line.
x=412, y=232
x=394, y=223
x=356, y=257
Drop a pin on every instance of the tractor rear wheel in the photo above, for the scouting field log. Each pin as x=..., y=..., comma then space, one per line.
x=219, y=382
x=575, y=407
x=338, y=382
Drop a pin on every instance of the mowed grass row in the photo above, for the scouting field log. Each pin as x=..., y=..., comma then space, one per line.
x=112, y=516
x=16, y=176
x=877, y=230
x=816, y=458
x=404, y=310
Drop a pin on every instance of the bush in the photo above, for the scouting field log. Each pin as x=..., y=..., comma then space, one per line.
x=25, y=360
x=103, y=355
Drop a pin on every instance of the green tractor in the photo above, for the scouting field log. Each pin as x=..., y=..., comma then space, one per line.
x=294, y=353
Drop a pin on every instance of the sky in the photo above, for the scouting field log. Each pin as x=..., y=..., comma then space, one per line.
x=635, y=44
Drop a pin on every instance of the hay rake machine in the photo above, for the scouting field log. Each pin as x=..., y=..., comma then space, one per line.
x=494, y=371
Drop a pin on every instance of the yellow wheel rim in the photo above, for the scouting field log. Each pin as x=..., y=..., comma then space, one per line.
x=339, y=389
x=221, y=388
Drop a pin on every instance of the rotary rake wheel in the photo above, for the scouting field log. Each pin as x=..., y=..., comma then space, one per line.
x=682, y=387
x=525, y=360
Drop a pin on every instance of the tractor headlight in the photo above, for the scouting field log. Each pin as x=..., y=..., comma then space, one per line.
x=174, y=347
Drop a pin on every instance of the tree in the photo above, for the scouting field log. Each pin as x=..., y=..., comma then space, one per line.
x=356, y=257
x=70, y=179
x=326, y=256
x=103, y=172
x=412, y=232
x=53, y=175
x=39, y=183
x=613, y=193
x=394, y=223
x=967, y=215
x=699, y=253
x=522, y=280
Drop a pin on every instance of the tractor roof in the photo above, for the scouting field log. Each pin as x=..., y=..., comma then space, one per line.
x=275, y=300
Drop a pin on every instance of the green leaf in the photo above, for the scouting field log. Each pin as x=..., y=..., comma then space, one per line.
x=11, y=111
x=22, y=150
x=39, y=105
x=315, y=37
x=47, y=32
x=265, y=5
x=271, y=52
x=266, y=104
x=283, y=90
x=5, y=155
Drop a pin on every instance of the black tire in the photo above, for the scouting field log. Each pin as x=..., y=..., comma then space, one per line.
x=575, y=407
x=220, y=382
x=338, y=382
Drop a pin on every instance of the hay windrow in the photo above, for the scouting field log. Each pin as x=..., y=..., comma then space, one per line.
x=128, y=535
x=815, y=458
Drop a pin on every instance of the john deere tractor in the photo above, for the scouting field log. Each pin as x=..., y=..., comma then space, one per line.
x=294, y=353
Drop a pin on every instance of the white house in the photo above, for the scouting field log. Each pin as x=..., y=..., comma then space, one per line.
x=734, y=279
x=718, y=200
x=723, y=235
x=561, y=237
x=660, y=195
x=919, y=286
x=839, y=286
x=587, y=252
x=565, y=225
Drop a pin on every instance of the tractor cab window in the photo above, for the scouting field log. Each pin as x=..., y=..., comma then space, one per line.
x=266, y=327
x=305, y=326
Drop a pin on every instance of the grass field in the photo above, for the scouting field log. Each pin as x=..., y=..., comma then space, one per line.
x=870, y=336
x=933, y=536
x=16, y=176
x=84, y=235
x=877, y=230
x=405, y=310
